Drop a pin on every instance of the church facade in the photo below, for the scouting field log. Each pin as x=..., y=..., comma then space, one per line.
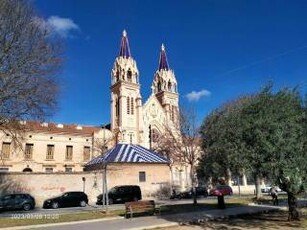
x=133, y=121
x=50, y=147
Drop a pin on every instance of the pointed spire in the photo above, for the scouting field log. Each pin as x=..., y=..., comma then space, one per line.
x=124, y=46
x=163, y=59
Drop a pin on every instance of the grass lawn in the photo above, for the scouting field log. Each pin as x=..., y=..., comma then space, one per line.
x=32, y=219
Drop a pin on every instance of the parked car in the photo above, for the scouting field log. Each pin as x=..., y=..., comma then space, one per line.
x=122, y=194
x=267, y=189
x=17, y=201
x=67, y=199
x=221, y=190
x=200, y=191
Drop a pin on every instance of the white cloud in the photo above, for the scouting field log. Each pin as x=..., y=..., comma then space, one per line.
x=195, y=96
x=63, y=26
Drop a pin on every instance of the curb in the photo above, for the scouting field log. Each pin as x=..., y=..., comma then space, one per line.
x=60, y=224
x=156, y=226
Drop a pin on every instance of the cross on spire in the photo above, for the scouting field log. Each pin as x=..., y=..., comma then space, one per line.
x=124, y=46
x=163, y=65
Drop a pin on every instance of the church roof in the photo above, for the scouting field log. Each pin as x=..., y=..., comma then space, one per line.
x=127, y=153
x=124, y=46
x=163, y=65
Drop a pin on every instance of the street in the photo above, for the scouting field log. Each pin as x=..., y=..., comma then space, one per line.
x=90, y=207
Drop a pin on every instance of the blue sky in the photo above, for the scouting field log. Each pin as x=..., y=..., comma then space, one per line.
x=219, y=49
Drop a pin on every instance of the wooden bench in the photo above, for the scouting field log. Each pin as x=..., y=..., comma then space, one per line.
x=142, y=206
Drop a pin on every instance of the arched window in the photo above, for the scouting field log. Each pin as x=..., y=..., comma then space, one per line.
x=129, y=76
x=169, y=86
x=117, y=76
x=132, y=105
x=173, y=113
x=117, y=109
x=155, y=135
x=27, y=170
x=159, y=86
x=128, y=105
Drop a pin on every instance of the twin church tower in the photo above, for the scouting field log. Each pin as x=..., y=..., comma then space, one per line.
x=131, y=120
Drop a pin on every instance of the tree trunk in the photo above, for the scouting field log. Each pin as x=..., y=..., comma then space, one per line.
x=193, y=181
x=293, y=210
x=194, y=196
x=258, y=187
x=220, y=202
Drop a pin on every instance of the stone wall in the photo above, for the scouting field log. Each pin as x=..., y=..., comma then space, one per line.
x=44, y=185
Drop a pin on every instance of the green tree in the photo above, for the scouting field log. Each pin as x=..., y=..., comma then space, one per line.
x=264, y=135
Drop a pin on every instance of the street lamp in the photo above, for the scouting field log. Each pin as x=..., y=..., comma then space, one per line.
x=83, y=179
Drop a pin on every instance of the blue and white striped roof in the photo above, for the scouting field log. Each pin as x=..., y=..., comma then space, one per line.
x=128, y=153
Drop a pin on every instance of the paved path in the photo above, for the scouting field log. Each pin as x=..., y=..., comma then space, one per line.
x=148, y=222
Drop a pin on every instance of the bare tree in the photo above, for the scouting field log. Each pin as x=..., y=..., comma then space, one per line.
x=181, y=144
x=30, y=57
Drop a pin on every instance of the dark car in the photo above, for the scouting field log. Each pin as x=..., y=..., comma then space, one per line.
x=67, y=199
x=17, y=201
x=122, y=194
x=221, y=190
x=200, y=191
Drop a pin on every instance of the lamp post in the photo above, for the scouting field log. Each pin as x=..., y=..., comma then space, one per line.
x=83, y=179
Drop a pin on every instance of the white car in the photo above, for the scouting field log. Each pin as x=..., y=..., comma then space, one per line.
x=267, y=189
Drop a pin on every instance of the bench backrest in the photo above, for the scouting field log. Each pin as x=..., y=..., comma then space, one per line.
x=140, y=203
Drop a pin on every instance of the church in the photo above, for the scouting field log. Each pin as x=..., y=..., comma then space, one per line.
x=133, y=121
x=57, y=148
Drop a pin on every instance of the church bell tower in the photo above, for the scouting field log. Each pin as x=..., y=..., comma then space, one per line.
x=164, y=87
x=126, y=100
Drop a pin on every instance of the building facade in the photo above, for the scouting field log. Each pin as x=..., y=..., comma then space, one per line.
x=49, y=147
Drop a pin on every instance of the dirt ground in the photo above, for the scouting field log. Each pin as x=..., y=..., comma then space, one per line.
x=267, y=221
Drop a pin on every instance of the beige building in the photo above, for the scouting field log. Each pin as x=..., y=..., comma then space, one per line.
x=49, y=147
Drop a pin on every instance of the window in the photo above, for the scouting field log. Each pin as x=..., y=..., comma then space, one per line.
x=129, y=75
x=117, y=108
x=68, y=169
x=50, y=152
x=117, y=76
x=4, y=169
x=169, y=86
x=154, y=135
x=6, y=150
x=69, y=152
x=128, y=105
x=142, y=176
x=132, y=105
x=86, y=153
x=159, y=86
x=28, y=151
x=49, y=170
x=173, y=112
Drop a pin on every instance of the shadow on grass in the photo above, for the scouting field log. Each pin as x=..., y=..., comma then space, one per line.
x=268, y=220
x=186, y=208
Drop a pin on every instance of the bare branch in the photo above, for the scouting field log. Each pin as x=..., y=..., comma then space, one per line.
x=30, y=57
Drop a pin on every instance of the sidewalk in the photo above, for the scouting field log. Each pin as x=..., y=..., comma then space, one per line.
x=150, y=222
